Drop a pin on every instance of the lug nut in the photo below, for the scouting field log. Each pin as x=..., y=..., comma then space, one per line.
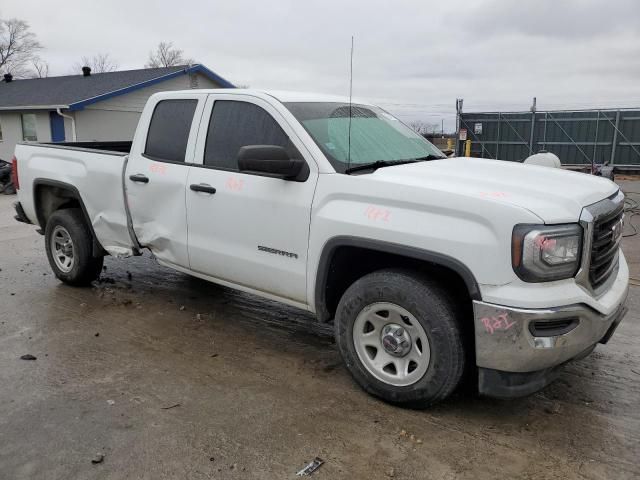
x=399, y=332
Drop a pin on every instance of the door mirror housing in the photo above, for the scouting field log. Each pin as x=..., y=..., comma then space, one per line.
x=270, y=160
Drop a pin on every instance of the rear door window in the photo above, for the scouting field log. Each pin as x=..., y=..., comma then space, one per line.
x=169, y=130
x=235, y=124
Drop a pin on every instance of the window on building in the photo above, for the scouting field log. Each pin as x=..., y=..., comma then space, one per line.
x=237, y=124
x=29, y=130
x=169, y=130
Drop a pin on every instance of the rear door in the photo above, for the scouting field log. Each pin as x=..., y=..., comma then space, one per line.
x=157, y=172
x=253, y=231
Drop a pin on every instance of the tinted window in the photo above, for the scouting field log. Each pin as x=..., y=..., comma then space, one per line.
x=169, y=129
x=238, y=124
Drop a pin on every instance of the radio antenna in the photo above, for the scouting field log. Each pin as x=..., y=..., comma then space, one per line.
x=350, y=97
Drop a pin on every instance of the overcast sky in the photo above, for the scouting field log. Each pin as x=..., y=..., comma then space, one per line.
x=412, y=57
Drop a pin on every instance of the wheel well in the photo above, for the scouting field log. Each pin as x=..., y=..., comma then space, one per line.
x=49, y=198
x=346, y=259
x=346, y=264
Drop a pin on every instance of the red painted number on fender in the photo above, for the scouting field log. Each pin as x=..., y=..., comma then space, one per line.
x=494, y=194
x=500, y=322
x=375, y=213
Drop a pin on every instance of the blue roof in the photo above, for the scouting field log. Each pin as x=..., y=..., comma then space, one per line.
x=77, y=91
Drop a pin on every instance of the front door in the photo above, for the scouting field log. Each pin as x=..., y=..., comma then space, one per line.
x=57, y=127
x=254, y=230
x=156, y=176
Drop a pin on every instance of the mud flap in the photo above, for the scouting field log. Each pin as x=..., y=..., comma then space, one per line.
x=20, y=215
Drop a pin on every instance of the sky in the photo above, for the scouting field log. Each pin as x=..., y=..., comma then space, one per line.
x=413, y=58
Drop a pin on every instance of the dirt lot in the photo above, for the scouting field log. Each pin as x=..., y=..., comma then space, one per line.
x=170, y=377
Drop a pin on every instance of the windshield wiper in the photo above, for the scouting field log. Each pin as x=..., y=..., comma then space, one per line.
x=375, y=165
x=429, y=157
x=389, y=163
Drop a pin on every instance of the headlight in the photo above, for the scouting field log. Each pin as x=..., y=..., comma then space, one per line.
x=541, y=253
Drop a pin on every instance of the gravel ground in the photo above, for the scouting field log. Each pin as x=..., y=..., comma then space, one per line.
x=170, y=377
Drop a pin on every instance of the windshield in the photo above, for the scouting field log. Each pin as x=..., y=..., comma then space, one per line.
x=376, y=136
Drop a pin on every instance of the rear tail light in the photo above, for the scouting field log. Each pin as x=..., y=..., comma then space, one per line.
x=14, y=172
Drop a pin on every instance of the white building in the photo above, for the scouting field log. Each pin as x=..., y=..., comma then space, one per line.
x=87, y=107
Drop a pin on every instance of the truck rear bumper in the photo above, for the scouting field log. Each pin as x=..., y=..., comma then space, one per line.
x=519, y=351
x=20, y=215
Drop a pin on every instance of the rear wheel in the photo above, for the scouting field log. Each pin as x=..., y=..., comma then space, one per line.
x=399, y=336
x=69, y=245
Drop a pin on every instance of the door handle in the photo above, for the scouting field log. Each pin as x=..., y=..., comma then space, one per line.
x=139, y=178
x=202, y=187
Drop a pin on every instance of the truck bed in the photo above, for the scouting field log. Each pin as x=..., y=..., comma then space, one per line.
x=111, y=147
x=93, y=171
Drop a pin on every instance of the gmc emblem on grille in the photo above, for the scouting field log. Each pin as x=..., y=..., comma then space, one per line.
x=616, y=231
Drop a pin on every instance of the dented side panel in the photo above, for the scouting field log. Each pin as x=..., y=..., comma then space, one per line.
x=158, y=208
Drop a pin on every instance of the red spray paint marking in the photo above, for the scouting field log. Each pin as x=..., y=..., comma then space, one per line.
x=500, y=322
x=494, y=194
x=375, y=213
x=545, y=243
x=233, y=183
x=158, y=168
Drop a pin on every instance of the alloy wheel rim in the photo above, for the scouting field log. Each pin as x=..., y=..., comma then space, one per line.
x=62, y=249
x=391, y=344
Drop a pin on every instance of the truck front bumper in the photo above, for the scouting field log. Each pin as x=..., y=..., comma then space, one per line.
x=519, y=351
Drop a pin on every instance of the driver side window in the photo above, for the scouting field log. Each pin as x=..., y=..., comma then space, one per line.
x=236, y=124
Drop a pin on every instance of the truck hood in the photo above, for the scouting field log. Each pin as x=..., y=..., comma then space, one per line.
x=553, y=194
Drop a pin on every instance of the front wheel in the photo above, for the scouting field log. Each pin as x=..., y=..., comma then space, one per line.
x=69, y=245
x=399, y=336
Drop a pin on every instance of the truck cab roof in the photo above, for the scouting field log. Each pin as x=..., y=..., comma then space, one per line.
x=283, y=96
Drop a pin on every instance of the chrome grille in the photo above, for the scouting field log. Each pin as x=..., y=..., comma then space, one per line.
x=607, y=234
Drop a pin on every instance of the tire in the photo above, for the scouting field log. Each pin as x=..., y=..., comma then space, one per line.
x=83, y=268
x=423, y=310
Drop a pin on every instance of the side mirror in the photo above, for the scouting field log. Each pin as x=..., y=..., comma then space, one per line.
x=271, y=160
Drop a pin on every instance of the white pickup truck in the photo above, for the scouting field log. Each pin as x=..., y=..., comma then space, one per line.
x=427, y=266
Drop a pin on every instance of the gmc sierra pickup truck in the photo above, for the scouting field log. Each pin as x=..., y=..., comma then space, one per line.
x=428, y=267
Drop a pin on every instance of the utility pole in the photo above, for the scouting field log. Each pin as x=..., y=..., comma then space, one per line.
x=442, y=133
x=533, y=125
x=458, y=113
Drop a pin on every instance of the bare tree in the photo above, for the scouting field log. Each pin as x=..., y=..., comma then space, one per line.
x=423, y=128
x=18, y=47
x=99, y=63
x=166, y=56
x=40, y=68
